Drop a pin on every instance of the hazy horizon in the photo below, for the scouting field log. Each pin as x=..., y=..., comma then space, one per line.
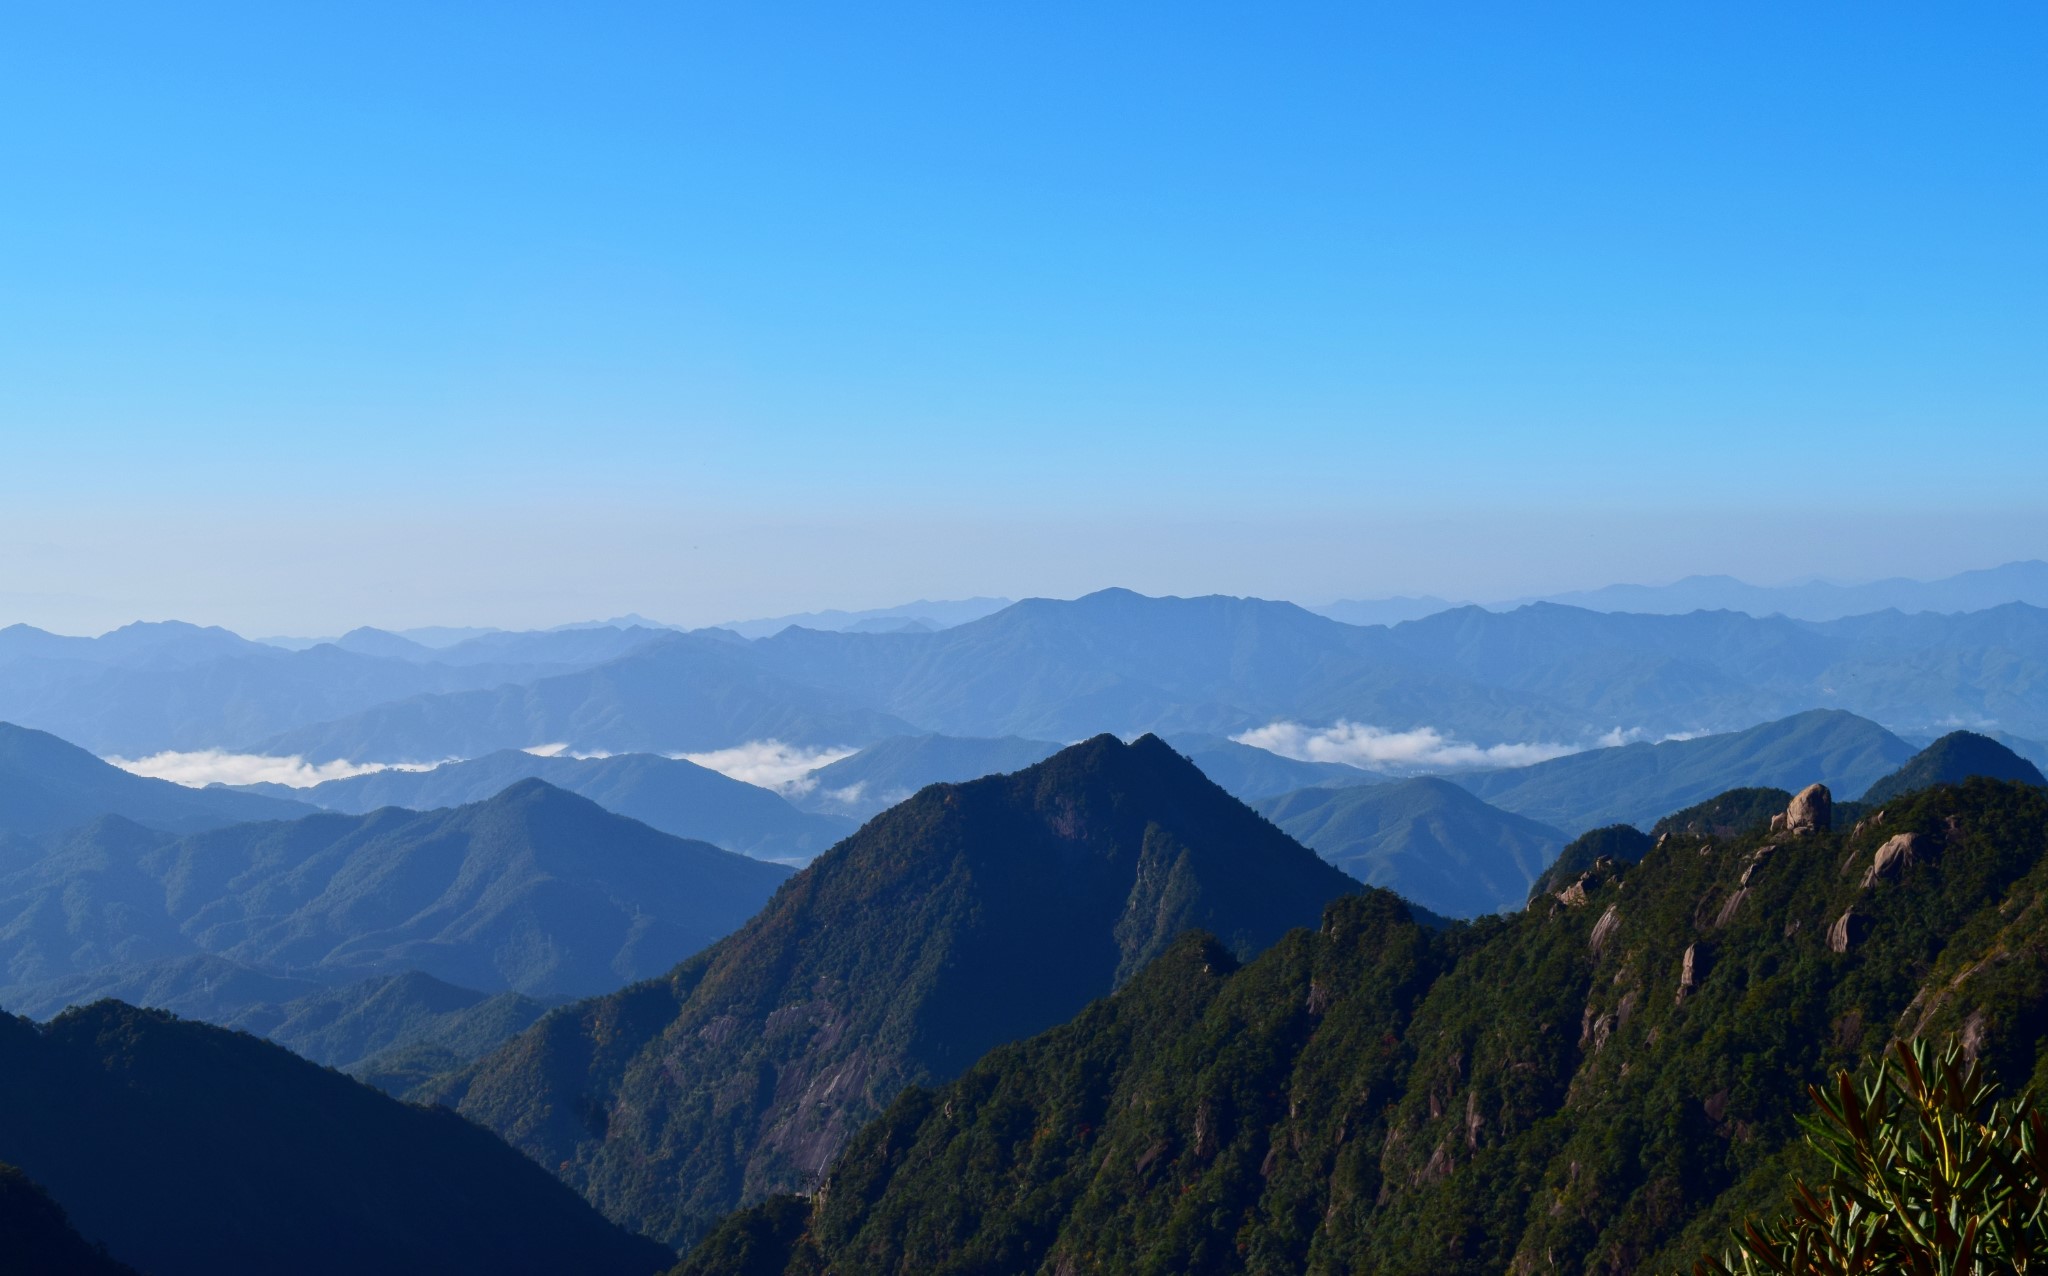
x=317, y=319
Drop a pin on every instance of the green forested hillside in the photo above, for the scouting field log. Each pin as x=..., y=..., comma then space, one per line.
x=1425, y=839
x=190, y=1149
x=1952, y=759
x=535, y=891
x=1599, y=1084
x=1641, y=783
x=971, y=915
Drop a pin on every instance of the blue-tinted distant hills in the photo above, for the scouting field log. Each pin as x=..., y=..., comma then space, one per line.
x=2025, y=582
x=1641, y=783
x=670, y=794
x=48, y=785
x=887, y=772
x=923, y=616
x=1249, y=774
x=682, y=693
x=1426, y=839
x=535, y=891
x=1039, y=669
x=1056, y=670
x=143, y=689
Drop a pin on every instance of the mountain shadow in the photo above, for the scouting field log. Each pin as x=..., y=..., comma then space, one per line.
x=189, y=1149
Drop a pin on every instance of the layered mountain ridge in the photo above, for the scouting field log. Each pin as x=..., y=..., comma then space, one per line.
x=970, y=915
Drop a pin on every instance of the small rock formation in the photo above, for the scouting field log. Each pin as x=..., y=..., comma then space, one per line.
x=1728, y=910
x=1688, y=978
x=1574, y=896
x=1604, y=928
x=1756, y=861
x=1848, y=928
x=1899, y=853
x=1812, y=811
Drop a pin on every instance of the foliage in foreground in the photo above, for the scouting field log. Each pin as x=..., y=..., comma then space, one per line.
x=1932, y=1174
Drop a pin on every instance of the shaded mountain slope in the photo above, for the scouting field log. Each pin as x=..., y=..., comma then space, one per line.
x=1425, y=839
x=48, y=785
x=409, y=1022
x=1952, y=759
x=670, y=794
x=680, y=693
x=1600, y=1084
x=536, y=890
x=1640, y=783
x=970, y=915
x=186, y=1148
x=38, y=1238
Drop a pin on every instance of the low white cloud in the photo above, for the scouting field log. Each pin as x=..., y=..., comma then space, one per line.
x=217, y=766
x=1375, y=748
x=771, y=764
x=563, y=750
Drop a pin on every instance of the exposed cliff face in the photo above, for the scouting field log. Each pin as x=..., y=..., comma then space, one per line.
x=1601, y=1083
x=971, y=915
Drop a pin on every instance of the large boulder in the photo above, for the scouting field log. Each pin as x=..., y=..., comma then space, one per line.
x=1812, y=811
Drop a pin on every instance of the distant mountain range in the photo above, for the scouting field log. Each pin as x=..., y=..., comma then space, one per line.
x=1641, y=783
x=190, y=1150
x=680, y=693
x=1544, y=674
x=48, y=785
x=883, y=774
x=536, y=891
x=968, y=916
x=2021, y=582
x=670, y=794
x=923, y=616
x=149, y=688
x=1046, y=670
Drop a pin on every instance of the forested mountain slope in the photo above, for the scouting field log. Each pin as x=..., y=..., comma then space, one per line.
x=1425, y=839
x=1599, y=1084
x=536, y=891
x=971, y=915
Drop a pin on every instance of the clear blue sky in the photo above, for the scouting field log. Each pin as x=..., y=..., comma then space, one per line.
x=316, y=315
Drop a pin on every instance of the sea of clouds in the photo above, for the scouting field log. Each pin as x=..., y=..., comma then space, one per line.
x=202, y=767
x=1418, y=749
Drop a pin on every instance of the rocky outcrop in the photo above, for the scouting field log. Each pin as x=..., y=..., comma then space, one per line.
x=1688, y=972
x=1812, y=811
x=1899, y=853
x=1604, y=928
x=1848, y=930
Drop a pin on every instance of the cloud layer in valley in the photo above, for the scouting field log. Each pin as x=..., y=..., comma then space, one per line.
x=771, y=764
x=1376, y=749
x=217, y=766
